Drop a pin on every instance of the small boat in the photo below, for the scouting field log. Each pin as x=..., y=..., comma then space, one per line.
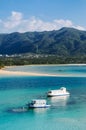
x=38, y=103
x=60, y=92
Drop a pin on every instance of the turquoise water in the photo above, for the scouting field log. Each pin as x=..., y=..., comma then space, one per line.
x=65, y=113
x=52, y=69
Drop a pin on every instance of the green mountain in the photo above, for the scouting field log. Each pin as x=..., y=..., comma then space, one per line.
x=63, y=42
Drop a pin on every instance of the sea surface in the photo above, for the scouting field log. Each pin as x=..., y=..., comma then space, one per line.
x=65, y=113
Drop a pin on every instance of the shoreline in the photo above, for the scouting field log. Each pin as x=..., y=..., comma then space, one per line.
x=19, y=73
x=45, y=65
x=4, y=72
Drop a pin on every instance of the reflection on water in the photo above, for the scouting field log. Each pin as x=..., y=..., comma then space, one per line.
x=59, y=100
x=24, y=109
x=40, y=110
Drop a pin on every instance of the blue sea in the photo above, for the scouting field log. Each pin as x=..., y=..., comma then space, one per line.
x=65, y=113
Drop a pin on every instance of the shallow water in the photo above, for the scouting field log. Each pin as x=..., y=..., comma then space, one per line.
x=52, y=69
x=65, y=113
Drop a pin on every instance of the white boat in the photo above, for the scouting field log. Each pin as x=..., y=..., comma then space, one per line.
x=60, y=92
x=38, y=103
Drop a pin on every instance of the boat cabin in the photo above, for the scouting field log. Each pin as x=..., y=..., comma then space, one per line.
x=58, y=92
x=38, y=103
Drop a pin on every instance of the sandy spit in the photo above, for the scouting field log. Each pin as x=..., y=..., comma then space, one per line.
x=19, y=73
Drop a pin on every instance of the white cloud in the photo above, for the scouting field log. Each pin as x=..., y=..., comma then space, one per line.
x=79, y=28
x=62, y=22
x=16, y=22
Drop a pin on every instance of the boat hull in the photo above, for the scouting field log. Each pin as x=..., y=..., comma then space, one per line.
x=46, y=106
x=53, y=95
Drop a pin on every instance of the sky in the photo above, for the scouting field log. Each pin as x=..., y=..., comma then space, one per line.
x=41, y=15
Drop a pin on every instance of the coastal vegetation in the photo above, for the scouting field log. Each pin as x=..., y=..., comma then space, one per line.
x=25, y=60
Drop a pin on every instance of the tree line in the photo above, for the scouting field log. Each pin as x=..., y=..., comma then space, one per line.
x=9, y=61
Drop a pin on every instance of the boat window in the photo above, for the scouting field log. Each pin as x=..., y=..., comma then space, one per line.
x=62, y=88
x=34, y=102
x=49, y=92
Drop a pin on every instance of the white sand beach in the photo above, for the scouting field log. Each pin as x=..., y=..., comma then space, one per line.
x=18, y=73
x=4, y=72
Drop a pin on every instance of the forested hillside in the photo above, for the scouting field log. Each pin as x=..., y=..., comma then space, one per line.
x=63, y=42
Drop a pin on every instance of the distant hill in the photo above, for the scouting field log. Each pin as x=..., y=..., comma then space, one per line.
x=63, y=42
